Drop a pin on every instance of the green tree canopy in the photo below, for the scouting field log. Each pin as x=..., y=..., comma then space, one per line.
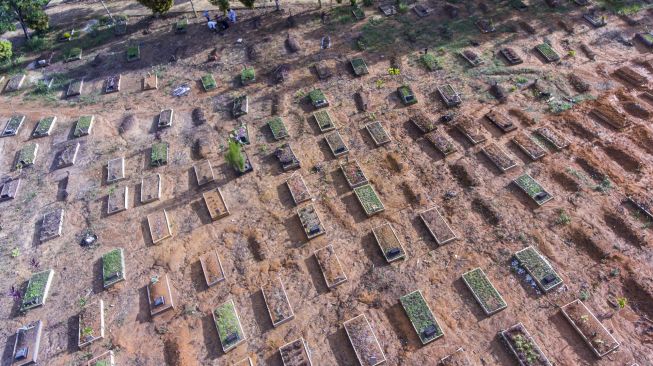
x=248, y=3
x=5, y=50
x=28, y=13
x=223, y=5
x=157, y=6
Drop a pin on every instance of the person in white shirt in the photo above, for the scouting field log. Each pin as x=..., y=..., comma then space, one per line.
x=232, y=15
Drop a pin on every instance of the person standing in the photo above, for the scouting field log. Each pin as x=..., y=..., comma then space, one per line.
x=206, y=15
x=232, y=15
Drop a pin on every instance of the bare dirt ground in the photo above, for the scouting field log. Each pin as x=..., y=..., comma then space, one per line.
x=600, y=245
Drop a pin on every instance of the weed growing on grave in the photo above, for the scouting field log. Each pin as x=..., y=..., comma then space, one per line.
x=584, y=295
x=431, y=62
x=563, y=218
x=622, y=302
x=604, y=187
x=379, y=83
x=394, y=71
x=82, y=302
x=15, y=253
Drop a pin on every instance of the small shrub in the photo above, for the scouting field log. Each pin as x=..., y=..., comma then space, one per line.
x=571, y=53
x=5, y=50
x=403, y=8
x=622, y=302
x=584, y=295
x=15, y=253
x=353, y=3
x=430, y=61
x=368, y=2
x=563, y=218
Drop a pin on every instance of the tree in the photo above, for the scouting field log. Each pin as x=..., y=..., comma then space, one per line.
x=29, y=13
x=5, y=50
x=248, y=3
x=223, y=5
x=158, y=6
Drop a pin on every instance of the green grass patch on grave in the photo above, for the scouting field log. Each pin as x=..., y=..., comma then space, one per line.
x=83, y=126
x=278, y=128
x=421, y=317
x=248, y=75
x=484, y=292
x=208, y=82
x=159, y=154
x=431, y=62
x=369, y=199
x=73, y=54
x=133, y=53
x=228, y=324
x=37, y=290
x=317, y=98
x=113, y=267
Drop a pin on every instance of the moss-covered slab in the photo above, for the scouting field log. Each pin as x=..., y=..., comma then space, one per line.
x=227, y=322
x=336, y=144
x=37, y=290
x=324, y=121
x=113, y=267
x=159, y=154
x=421, y=317
x=539, y=268
x=310, y=221
x=369, y=199
x=484, y=291
x=379, y=135
x=533, y=189
x=278, y=128
x=208, y=82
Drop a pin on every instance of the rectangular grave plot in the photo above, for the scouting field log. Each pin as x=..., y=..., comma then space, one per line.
x=27, y=155
x=151, y=188
x=471, y=57
x=539, y=268
x=324, y=120
x=115, y=170
x=287, y=157
x=358, y=13
x=549, y=54
x=406, y=95
x=84, y=125
x=113, y=267
x=388, y=10
x=511, y=56
x=421, y=317
x=166, y=118
x=215, y=204
x=227, y=322
x=498, y=157
x=389, y=243
x=241, y=134
x=240, y=106
x=74, y=54
x=484, y=292
x=643, y=204
x=631, y=76
x=117, y=200
x=159, y=295
x=51, y=225
x=353, y=174
x=159, y=154
x=485, y=25
x=67, y=156
x=458, y=358
x=311, y=221
x=423, y=122
x=203, y=172
x=597, y=337
x=596, y=20
x=471, y=130
x=112, y=83
x=27, y=344
x=421, y=10
x=298, y=189
x=449, y=95
x=378, y=133
x=533, y=189
x=359, y=66
x=37, y=290
x=330, y=266
x=245, y=362
x=278, y=128
x=44, y=126
x=369, y=199
x=13, y=125
x=208, y=82
x=295, y=353
x=554, y=138
x=318, y=99
x=212, y=268
x=336, y=144
x=75, y=88
x=91, y=324
x=15, y=83
x=276, y=300
x=150, y=81
x=528, y=146
x=363, y=340
x=9, y=189
x=437, y=226
x=517, y=338
x=646, y=39
x=105, y=359
x=501, y=120
x=442, y=143
x=323, y=71
x=159, y=226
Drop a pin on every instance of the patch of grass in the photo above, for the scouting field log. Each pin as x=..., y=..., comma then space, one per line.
x=563, y=218
x=604, y=187
x=37, y=44
x=431, y=62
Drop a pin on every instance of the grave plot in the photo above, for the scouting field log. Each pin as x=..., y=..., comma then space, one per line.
x=112, y=83
x=498, y=157
x=389, y=243
x=73, y=54
x=471, y=57
x=117, y=200
x=27, y=155
x=150, y=81
x=437, y=226
x=553, y=3
x=133, y=53
x=9, y=189
x=67, y=156
x=511, y=56
x=539, y=268
x=181, y=26
x=423, y=122
x=159, y=154
x=159, y=226
x=441, y=143
x=287, y=157
x=27, y=344
x=298, y=189
x=422, y=10
x=324, y=120
x=323, y=71
x=549, y=54
x=248, y=75
x=369, y=199
x=485, y=26
x=359, y=66
x=363, y=340
x=388, y=10
x=421, y=317
x=406, y=95
x=358, y=13
x=240, y=106
x=471, y=130
x=44, y=126
x=484, y=292
x=643, y=204
x=597, y=337
x=609, y=115
x=631, y=76
x=212, y=268
x=13, y=125
x=245, y=362
x=115, y=170
x=15, y=83
x=51, y=225
x=353, y=174
x=552, y=137
x=165, y=118
x=159, y=295
x=533, y=189
x=151, y=188
x=208, y=82
x=241, y=134
x=295, y=353
x=449, y=95
x=105, y=359
x=330, y=266
x=37, y=290
x=276, y=300
x=458, y=358
x=113, y=267
x=528, y=146
x=317, y=98
x=227, y=322
x=378, y=133
x=501, y=120
x=281, y=73
x=596, y=20
x=91, y=324
x=646, y=39
x=310, y=221
x=84, y=125
x=215, y=204
x=75, y=88
x=523, y=347
x=203, y=172
x=336, y=144
x=278, y=128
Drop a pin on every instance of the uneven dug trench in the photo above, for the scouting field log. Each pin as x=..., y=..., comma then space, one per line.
x=596, y=249
x=624, y=159
x=623, y=229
